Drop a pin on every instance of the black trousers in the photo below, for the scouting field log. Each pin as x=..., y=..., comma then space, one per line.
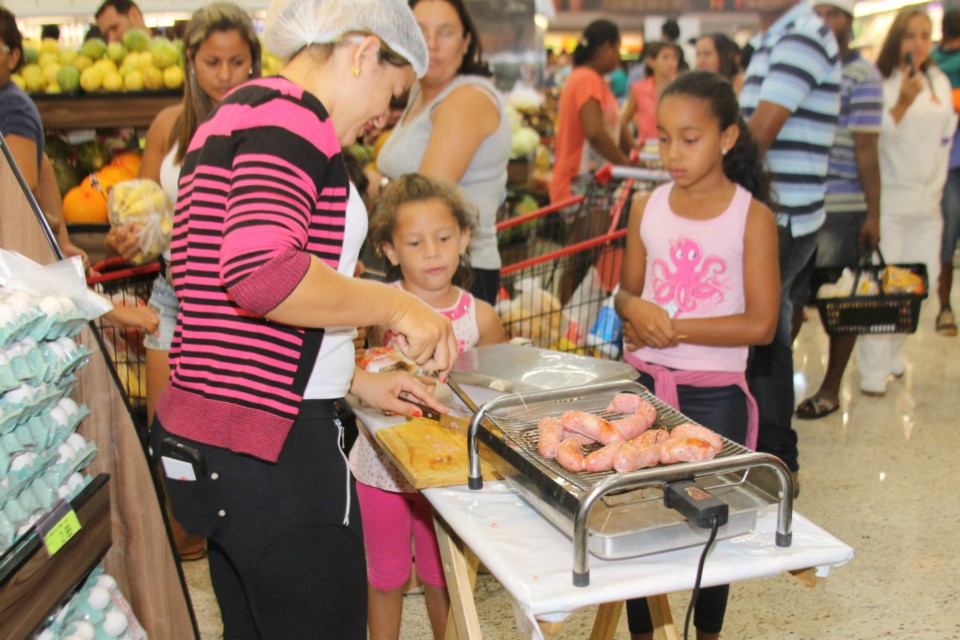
x=285, y=540
x=723, y=409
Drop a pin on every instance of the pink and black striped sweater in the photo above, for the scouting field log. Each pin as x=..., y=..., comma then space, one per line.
x=263, y=187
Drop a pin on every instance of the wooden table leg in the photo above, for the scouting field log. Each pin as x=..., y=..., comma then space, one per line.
x=460, y=571
x=608, y=617
x=663, y=627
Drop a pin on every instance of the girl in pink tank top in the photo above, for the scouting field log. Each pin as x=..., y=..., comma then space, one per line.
x=422, y=227
x=700, y=279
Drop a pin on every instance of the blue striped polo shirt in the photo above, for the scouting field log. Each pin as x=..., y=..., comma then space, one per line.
x=796, y=66
x=861, y=111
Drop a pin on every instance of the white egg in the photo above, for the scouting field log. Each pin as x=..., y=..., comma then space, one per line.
x=82, y=629
x=75, y=482
x=98, y=598
x=68, y=405
x=22, y=460
x=64, y=492
x=67, y=343
x=77, y=441
x=59, y=416
x=7, y=315
x=106, y=581
x=115, y=623
x=69, y=306
x=23, y=393
x=51, y=306
x=66, y=453
x=58, y=352
x=19, y=303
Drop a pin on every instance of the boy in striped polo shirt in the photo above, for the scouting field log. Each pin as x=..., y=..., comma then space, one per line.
x=853, y=190
x=790, y=100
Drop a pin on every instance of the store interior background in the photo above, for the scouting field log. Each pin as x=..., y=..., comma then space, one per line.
x=518, y=52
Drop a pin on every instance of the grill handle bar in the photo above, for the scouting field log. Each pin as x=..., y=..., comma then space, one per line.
x=475, y=478
x=659, y=475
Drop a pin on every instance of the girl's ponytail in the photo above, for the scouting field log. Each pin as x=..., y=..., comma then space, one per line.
x=743, y=165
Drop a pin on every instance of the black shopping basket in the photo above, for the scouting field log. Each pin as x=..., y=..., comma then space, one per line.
x=870, y=313
x=125, y=284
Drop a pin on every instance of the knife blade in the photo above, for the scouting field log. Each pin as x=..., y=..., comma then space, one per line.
x=447, y=421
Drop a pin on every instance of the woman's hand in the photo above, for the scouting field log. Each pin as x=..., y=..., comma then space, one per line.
x=125, y=240
x=385, y=391
x=647, y=325
x=426, y=337
x=909, y=90
x=138, y=317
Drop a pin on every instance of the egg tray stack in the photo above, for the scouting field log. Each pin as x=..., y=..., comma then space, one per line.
x=41, y=456
x=98, y=610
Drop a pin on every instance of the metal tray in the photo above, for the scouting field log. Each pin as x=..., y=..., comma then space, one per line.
x=510, y=368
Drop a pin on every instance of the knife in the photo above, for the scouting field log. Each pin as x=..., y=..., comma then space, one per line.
x=447, y=421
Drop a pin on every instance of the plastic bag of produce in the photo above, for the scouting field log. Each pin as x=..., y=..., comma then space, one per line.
x=145, y=204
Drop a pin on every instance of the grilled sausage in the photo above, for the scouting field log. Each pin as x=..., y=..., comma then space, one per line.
x=624, y=402
x=630, y=404
x=652, y=436
x=590, y=425
x=570, y=455
x=635, y=455
x=602, y=459
x=550, y=434
x=631, y=426
x=690, y=430
x=685, y=450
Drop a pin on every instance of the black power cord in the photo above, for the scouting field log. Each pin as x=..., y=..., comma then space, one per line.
x=715, y=522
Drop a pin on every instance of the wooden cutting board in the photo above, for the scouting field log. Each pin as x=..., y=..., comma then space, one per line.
x=431, y=455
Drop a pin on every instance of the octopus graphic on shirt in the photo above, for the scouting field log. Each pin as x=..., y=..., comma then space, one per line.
x=693, y=285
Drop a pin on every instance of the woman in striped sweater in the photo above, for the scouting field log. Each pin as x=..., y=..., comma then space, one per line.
x=251, y=430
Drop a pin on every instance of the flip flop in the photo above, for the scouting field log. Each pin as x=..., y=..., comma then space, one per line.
x=814, y=408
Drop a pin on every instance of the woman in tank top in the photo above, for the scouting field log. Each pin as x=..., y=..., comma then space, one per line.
x=455, y=128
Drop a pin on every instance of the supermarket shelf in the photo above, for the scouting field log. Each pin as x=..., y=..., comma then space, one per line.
x=33, y=583
x=103, y=110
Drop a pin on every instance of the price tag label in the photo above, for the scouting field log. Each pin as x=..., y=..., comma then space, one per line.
x=58, y=526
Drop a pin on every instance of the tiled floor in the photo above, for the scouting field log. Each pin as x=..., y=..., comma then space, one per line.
x=881, y=474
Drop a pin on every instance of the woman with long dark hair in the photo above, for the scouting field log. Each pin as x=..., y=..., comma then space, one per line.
x=718, y=52
x=914, y=145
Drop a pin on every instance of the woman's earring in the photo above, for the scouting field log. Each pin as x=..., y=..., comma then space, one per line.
x=356, y=72
x=723, y=152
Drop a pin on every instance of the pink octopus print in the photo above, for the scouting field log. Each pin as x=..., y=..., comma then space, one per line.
x=694, y=285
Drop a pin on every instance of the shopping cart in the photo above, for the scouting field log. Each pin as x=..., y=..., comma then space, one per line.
x=558, y=280
x=125, y=284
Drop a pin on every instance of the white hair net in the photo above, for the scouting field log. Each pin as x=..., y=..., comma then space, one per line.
x=293, y=24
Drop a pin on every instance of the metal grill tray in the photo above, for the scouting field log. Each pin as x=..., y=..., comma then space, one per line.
x=628, y=521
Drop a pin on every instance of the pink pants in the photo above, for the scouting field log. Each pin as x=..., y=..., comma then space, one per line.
x=390, y=520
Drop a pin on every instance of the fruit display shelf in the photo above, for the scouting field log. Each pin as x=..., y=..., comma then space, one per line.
x=103, y=110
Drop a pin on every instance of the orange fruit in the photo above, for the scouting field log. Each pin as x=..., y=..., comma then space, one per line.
x=84, y=204
x=129, y=160
x=111, y=175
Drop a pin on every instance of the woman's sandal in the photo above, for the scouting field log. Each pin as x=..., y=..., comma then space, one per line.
x=815, y=407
